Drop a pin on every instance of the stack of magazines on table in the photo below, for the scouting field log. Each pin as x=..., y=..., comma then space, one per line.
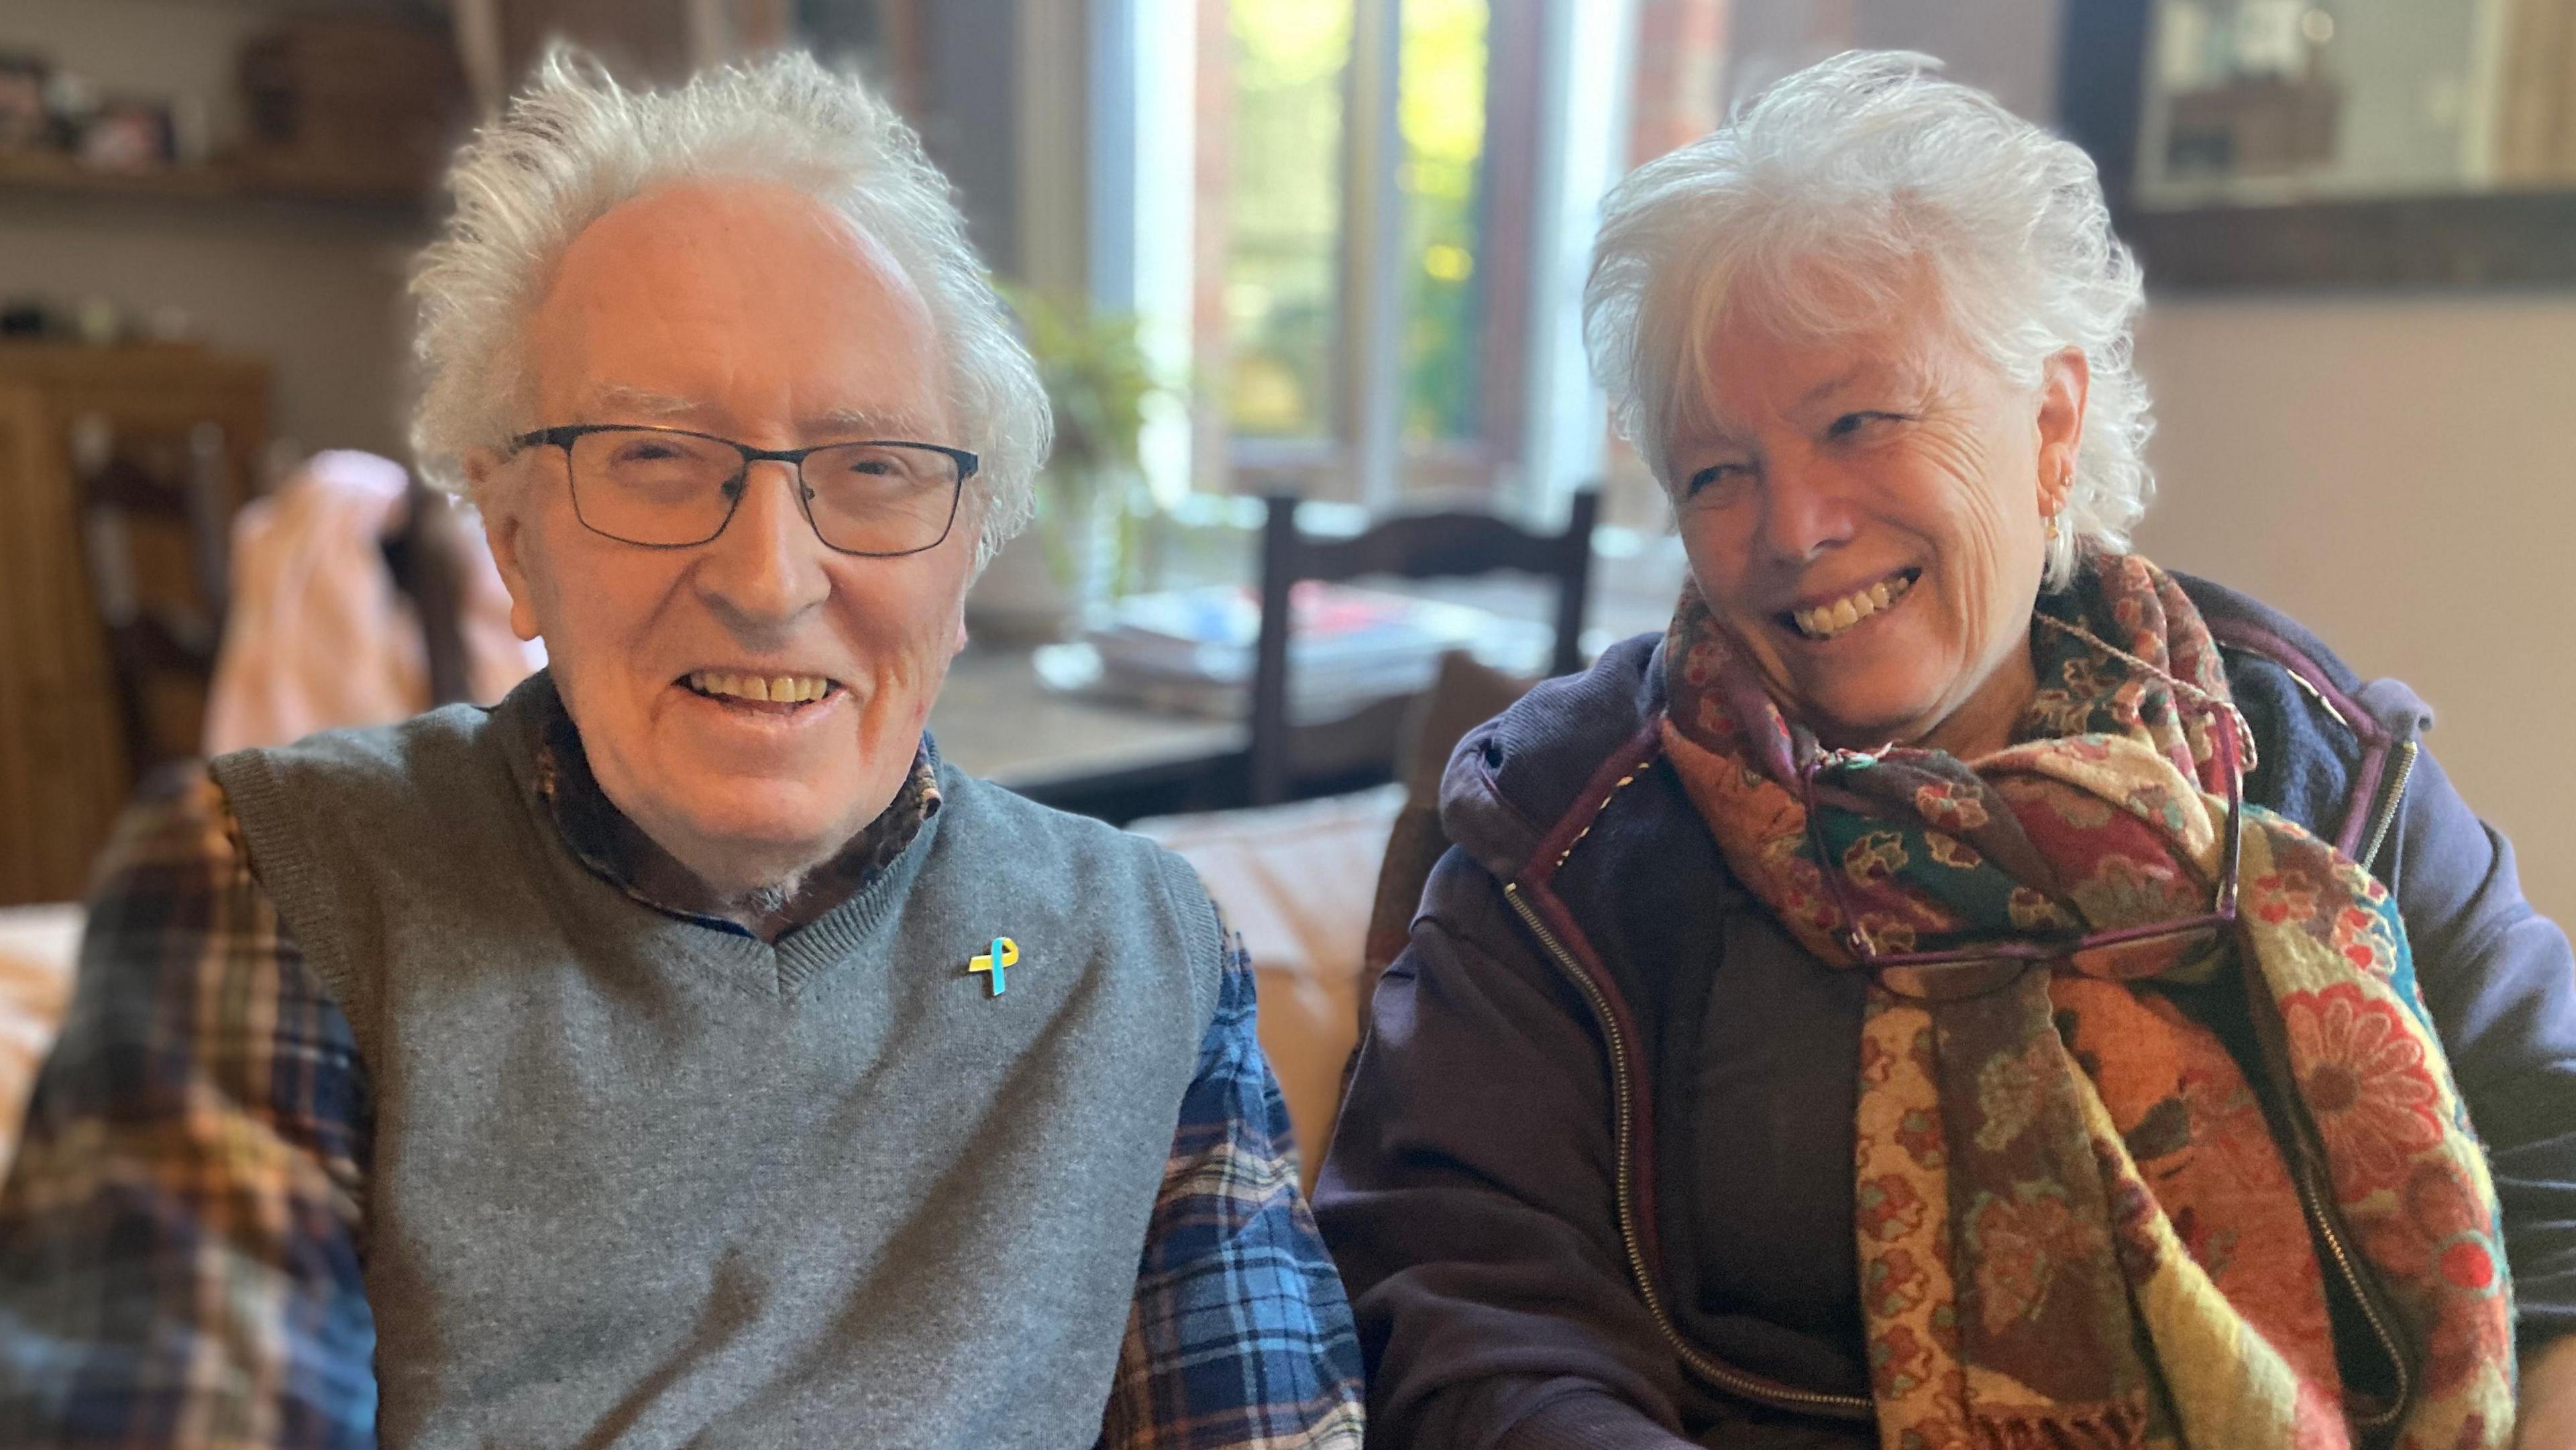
x=1191, y=650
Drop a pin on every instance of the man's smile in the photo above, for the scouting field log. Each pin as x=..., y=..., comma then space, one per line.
x=747, y=687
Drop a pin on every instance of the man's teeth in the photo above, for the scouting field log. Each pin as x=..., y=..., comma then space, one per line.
x=1827, y=620
x=783, y=689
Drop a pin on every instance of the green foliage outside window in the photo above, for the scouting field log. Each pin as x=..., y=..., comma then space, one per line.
x=1284, y=176
x=1284, y=180
x=1440, y=104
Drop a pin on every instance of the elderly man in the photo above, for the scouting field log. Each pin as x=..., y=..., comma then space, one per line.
x=677, y=1052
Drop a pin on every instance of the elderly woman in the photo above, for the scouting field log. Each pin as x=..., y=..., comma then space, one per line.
x=1962, y=985
x=678, y=1052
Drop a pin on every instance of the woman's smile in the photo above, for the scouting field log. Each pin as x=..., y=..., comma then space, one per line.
x=1838, y=616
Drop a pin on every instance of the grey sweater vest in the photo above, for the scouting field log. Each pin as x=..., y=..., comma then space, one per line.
x=639, y=1182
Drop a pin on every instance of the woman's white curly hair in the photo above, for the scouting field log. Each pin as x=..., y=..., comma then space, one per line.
x=576, y=143
x=1821, y=199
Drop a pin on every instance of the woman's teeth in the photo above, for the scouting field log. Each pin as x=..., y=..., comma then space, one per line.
x=1827, y=620
x=781, y=689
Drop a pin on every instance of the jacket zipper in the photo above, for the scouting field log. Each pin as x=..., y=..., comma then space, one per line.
x=2311, y=1201
x=2391, y=796
x=2315, y=1207
x=1724, y=1376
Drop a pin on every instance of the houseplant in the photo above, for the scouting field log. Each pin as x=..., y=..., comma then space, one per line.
x=1092, y=506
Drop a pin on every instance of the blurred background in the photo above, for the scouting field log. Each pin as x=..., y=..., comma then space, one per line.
x=1327, y=249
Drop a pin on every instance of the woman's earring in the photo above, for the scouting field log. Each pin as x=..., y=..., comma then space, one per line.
x=2052, y=529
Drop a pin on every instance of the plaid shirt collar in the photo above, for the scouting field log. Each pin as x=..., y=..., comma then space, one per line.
x=616, y=850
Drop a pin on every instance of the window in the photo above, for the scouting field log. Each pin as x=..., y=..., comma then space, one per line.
x=1440, y=106
x=1349, y=204
x=1276, y=211
x=1388, y=207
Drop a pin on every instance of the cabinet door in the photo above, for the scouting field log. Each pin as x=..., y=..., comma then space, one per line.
x=62, y=758
x=63, y=771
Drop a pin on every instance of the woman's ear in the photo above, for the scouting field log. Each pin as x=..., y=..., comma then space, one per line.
x=2062, y=385
x=498, y=498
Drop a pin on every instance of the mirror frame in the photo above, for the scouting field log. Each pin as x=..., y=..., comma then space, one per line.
x=2465, y=239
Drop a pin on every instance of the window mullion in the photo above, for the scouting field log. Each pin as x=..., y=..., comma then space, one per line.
x=1373, y=274
x=1582, y=129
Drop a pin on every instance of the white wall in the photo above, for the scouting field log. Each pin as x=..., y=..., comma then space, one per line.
x=2397, y=473
x=2007, y=46
x=316, y=290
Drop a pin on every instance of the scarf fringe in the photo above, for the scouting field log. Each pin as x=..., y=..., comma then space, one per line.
x=2100, y=1427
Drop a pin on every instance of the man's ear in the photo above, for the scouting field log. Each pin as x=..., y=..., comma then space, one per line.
x=2063, y=383
x=499, y=498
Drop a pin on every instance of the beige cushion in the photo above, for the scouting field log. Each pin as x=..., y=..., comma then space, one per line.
x=1314, y=888
x=38, y=948
x=1465, y=695
x=1297, y=881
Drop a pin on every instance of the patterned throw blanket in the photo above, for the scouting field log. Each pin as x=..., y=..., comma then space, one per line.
x=2078, y=1225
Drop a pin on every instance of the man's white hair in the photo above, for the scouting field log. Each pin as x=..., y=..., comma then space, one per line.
x=576, y=143
x=1821, y=200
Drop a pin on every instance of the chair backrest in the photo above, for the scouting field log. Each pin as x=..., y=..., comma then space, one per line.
x=154, y=635
x=422, y=556
x=1413, y=546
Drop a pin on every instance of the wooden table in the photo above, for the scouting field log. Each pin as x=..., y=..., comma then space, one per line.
x=1096, y=756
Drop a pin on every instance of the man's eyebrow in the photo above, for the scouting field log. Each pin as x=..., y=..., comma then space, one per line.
x=619, y=403
x=626, y=402
x=862, y=423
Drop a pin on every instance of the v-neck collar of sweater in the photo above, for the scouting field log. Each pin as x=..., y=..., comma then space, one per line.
x=836, y=908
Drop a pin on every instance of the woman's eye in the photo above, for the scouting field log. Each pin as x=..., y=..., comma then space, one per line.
x=1714, y=482
x=1850, y=425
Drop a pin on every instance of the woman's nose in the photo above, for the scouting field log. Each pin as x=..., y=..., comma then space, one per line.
x=1805, y=510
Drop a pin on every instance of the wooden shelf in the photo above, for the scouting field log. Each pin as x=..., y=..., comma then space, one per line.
x=50, y=172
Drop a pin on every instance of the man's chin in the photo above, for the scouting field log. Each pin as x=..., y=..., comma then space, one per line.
x=744, y=840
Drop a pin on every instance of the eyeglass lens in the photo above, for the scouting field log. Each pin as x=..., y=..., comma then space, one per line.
x=671, y=489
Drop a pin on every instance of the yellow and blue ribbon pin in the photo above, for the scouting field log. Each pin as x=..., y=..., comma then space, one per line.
x=1005, y=953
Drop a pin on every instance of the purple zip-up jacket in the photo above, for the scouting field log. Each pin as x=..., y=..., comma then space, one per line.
x=1592, y=1185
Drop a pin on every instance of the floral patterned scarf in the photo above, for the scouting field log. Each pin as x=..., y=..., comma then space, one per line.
x=2076, y=1227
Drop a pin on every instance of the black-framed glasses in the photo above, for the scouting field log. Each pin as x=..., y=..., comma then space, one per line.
x=668, y=488
x=1956, y=973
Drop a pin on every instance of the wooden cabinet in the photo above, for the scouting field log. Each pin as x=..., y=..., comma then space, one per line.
x=63, y=772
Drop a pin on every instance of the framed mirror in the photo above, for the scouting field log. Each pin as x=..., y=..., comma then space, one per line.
x=2332, y=143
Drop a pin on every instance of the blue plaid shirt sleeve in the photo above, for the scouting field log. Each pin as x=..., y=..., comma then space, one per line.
x=1240, y=1338
x=179, y=1235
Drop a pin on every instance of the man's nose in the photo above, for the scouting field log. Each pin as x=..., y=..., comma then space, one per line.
x=766, y=568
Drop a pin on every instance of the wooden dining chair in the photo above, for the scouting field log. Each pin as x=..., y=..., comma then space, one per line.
x=140, y=496
x=1412, y=546
x=424, y=557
